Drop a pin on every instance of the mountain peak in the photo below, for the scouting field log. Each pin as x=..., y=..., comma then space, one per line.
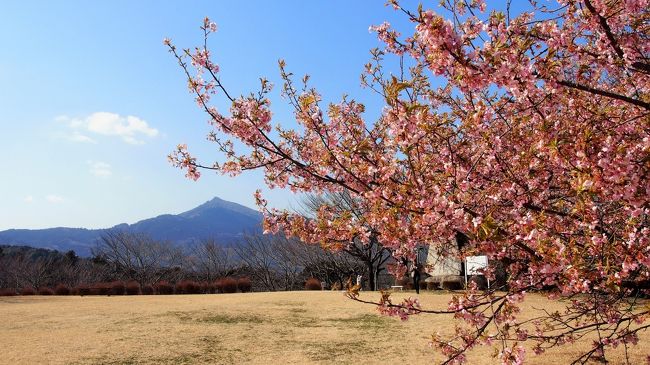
x=218, y=203
x=216, y=218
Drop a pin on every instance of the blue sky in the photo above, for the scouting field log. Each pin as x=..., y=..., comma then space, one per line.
x=91, y=103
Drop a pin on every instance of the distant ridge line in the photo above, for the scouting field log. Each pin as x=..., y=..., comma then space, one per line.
x=216, y=218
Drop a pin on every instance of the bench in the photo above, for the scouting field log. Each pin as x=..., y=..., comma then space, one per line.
x=395, y=287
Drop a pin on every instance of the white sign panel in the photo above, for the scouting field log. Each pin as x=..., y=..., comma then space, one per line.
x=473, y=264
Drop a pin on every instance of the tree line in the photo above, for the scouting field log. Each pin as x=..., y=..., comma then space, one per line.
x=272, y=262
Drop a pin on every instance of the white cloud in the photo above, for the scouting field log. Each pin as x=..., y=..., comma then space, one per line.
x=29, y=199
x=129, y=128
x=100, y=169
x=78, y=137
x=54, y=199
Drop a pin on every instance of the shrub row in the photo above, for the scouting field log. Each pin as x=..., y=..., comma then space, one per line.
x=244, y=285
x=7, y=292
x=224, y=285
x=313, y=284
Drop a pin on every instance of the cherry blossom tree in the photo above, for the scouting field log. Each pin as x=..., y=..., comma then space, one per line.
x=527, y=132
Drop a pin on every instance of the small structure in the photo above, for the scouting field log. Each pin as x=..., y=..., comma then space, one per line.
x=444, y=271
x=474, y=265
x=448, y=271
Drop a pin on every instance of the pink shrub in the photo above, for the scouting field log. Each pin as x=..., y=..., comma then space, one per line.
x=45, y=291
x=207, y=287
x=147, y=290
x=313, y=284
x=7, y=292
x=83, y=289
x=188, y=287
x=117, y=288
x=62, y=289
x=227, y=285
x=132, y=288
x=28, y=290
x=101, y=289
x=244, y=284
x=164, y=288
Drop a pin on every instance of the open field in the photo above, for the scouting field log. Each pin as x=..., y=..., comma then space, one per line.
x=254, y=328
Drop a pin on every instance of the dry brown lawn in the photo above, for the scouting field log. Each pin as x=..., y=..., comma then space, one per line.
x=254, y=328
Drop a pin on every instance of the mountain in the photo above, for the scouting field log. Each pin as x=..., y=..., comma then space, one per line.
x=223, y=220
x=61, y=239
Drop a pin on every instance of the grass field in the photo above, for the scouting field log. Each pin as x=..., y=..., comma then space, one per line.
x=253, y=328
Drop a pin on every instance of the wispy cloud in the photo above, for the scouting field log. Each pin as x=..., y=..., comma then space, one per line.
x=29, y=199
x=54, y=199
x=100, y=169
x=78, y=137
x=130, y=129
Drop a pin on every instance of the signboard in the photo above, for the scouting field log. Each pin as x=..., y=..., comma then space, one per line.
x=473, y=264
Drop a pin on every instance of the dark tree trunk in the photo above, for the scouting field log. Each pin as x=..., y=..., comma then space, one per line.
x=372, y=282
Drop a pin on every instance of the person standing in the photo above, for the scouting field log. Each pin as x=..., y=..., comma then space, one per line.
x=416, y=276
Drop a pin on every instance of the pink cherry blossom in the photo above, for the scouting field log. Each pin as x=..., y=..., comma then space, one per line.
x=532, y=148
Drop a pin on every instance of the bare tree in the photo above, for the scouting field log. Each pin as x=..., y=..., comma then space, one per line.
x=373, y=254
x=139, y=257
x=23, y=266
x=259, y=254
x=34, y=272
x=289, y=265
x=328, y=266
x=8, y=271
x=211, y=260
x=91, y=270
x=279, y=263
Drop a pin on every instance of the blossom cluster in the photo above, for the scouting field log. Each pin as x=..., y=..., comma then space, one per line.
x=535, y=148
